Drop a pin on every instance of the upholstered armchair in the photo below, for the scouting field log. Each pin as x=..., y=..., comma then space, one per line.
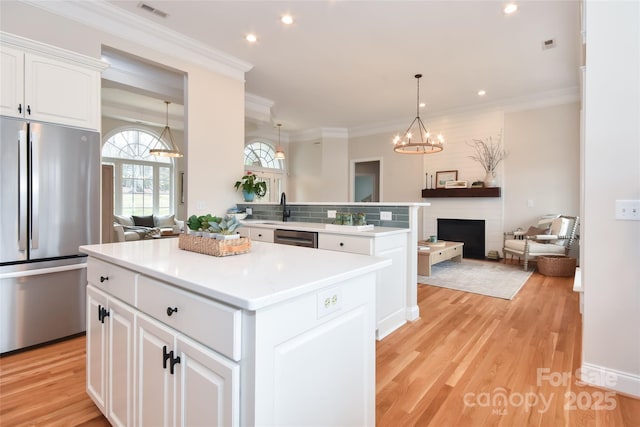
x=553, y=235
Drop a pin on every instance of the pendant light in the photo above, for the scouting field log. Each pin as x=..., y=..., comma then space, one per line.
x=410, y=143
x=279, y=150
x=166, y=136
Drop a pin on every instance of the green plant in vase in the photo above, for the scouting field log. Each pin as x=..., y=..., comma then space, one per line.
x=251, y=186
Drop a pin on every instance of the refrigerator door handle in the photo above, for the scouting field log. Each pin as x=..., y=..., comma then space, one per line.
x=22, y=190
x=35, y=188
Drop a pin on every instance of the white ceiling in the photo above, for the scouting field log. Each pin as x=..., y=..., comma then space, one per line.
x=350, y=64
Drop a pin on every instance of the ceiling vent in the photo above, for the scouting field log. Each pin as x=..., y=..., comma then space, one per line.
x=548, y=44
x=152, y=9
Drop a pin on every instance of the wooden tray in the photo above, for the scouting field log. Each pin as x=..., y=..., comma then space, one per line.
x=215, y=247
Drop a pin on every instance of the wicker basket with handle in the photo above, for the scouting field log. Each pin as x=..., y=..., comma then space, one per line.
x=214, y=247
x=557, y=265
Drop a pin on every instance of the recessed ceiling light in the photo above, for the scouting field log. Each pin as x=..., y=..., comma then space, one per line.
x=251, y=38
x=287, y=19
x=482, y=92
x=422, y=105
x=510, y=8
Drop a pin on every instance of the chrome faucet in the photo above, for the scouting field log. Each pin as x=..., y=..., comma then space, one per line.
x=286, y=213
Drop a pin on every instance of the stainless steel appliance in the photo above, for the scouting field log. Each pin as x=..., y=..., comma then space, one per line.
x=49, y=205
x=308, y=239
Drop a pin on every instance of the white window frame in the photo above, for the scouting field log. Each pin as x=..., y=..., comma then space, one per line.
x=270, y=175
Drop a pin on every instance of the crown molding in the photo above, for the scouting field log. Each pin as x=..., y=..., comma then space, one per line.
x=105, y=17
x=33, y=46
x=320, y=134
x=257, y=108
x=510, y=105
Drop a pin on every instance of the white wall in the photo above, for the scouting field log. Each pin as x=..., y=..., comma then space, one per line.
x=611, y=248
x=543, y=164
x=318, y=169
x=214, y=103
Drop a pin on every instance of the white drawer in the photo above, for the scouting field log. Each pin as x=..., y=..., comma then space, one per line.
x=114, y=280
x=351, y=244
x=215, y=325
x=262, y=234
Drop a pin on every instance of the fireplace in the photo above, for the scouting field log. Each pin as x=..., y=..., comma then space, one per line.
x=469, y=231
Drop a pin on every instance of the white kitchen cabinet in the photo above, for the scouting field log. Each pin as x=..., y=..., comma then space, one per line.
x=110, y=334
x=45, y=83
x=390, y=288
x=257, y=234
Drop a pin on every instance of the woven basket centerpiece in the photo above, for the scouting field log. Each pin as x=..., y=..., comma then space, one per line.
x=215, y=247
x=557, y=265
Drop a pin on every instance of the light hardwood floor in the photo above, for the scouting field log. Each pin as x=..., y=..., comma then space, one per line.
x=445, y=369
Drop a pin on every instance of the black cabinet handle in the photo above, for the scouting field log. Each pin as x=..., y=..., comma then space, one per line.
x=341, y=244
x=103, y=278
x=20, y=108
x=29, y=109
x=166, y=356
x=102, y=313
x=170, y=310
x=174, y=361
x=259, y=235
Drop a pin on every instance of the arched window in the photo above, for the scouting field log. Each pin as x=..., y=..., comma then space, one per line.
x=260, y=158
x=143, y=184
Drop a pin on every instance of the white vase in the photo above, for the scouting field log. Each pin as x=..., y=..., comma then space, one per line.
x=490, y=179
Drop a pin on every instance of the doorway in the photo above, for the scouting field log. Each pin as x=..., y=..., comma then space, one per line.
x=366, y=180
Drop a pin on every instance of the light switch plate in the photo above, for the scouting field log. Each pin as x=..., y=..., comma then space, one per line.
x=628, y=210
x=248, y=211
x=385, y=216
x=331, y=213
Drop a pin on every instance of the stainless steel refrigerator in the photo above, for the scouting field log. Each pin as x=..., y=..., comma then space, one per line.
x=49, y=206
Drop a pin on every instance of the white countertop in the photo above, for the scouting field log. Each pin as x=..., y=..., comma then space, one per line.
x=267, y=275
x=320, y=228
x=374, y=204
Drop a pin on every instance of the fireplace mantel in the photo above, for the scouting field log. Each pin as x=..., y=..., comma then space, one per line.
x=461, y=192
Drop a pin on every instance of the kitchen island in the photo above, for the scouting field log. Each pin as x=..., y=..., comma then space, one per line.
x=282, y=335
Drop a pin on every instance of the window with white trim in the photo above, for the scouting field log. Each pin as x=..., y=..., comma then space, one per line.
x=260, y=158
x=143, y=184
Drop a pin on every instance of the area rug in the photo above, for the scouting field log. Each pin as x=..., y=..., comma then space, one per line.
x=493, y=279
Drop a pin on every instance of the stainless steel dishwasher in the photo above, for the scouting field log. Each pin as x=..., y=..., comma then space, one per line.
x=308, y=239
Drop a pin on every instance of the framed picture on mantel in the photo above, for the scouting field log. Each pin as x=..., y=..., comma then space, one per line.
x=443, y=176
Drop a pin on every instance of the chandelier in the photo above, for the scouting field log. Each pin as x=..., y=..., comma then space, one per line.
x=166, y=136
x=417, y=139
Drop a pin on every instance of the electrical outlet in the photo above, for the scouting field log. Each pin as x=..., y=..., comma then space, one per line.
x=331, y=213
x=628, y=210
x=529, y=203
x=385, y=216
x=248, y=211
x=329, y=301
x=201, y=205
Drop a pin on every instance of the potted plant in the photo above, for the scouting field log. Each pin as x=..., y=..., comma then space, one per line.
x=200, y=224
x=225, y=228
x=251, y=187
x=489, y=154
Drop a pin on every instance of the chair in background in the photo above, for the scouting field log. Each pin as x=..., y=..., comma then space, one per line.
x=553, y=235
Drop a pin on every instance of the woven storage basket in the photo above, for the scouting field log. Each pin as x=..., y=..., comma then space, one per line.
x=557, y=265
x=214, y=247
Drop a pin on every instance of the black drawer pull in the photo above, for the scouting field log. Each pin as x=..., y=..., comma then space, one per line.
x=341, y=244
x=103, y=278
x=170, y=310
x=20, y=108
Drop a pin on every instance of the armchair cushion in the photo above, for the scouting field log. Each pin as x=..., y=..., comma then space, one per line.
x=143, y=221
x=535, y=248
x=535, y=231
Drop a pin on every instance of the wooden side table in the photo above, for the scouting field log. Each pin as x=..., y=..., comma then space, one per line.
x=442, y=251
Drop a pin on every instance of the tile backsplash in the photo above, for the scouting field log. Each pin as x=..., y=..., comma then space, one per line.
x=318, y=213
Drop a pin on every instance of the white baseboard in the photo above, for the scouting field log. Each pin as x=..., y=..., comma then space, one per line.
x=390, y=324
x=413, y=313
x=611, y=379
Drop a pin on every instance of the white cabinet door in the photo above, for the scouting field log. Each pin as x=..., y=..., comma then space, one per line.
x=11, y=82
x=60, y=92
x=96, y=348
x=121, y=356
x=209, y=386
x=155, y=385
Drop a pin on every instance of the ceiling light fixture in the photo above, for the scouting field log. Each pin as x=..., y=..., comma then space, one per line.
x=287, y=19
x=279, y=149
x=510, y=8
x=482, y=92
x=425, y=145
x=166, y=136
x=251, y=38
